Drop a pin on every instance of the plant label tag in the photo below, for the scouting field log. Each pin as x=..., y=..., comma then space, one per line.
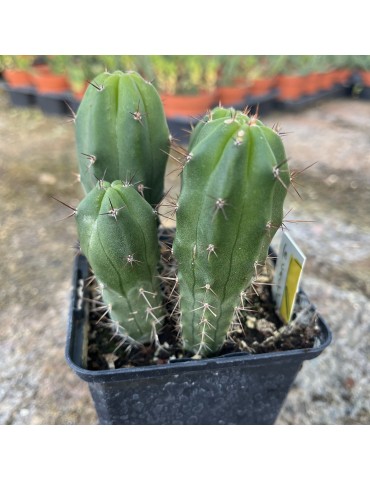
x=288, y=271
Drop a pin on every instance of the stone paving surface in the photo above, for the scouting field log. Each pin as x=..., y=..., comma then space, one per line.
x=38, y=159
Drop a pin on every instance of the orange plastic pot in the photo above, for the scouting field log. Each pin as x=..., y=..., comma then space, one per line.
x=187, y=105
x=262, y=86
x=17, y=78
x=326, y=80
x=290, y=87
x=232, y=95
x=365, y=77
x=343, y=75
x=311, y=83
x=47, y=82
x=333, y=75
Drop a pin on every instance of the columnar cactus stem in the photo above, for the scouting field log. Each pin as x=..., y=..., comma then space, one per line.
x=230, y=206
x=122, y=133
x=118, y=235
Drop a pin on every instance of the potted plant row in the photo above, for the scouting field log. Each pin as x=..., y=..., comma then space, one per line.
x=33, y=80
x=188, y=84
x=171, y=326
x=48, y=81
x=18, y=79
x=52, y=85
x=304, y=79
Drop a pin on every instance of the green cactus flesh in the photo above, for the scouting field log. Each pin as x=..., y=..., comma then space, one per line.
x=230, y=206
x=117, y=229
x=122, y=134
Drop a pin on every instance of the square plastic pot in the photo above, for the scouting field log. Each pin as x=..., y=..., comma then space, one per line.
x=52, y=104
x=234, y=389
x=21, y=96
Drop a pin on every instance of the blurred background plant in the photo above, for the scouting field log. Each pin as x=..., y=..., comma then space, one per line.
x=58, y=63
x=359, y=62
x=16, y=62
x=180, y=74
x=192, y=75
x=189, y=73
x=230, y=70
x=15, y=69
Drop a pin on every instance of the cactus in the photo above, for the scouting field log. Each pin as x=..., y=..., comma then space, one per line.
x=230, y=206
x=117, y=229
x=122, y=134
x=234, y=183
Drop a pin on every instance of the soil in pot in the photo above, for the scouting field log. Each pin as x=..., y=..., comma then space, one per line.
x=258, y=329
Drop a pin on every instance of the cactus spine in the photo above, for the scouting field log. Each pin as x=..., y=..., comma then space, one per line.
x=117, y=229
x=230, y=206
x=122, y=134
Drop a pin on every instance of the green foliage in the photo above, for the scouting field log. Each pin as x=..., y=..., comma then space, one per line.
x=360, y=62
x=230, y=69
x=58, y=63
x=182, y=74
x=21, y=62
x=78, y=72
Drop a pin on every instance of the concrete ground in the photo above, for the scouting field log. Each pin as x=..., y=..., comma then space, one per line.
x=38, y=159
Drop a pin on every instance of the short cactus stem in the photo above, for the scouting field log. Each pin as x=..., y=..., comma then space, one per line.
x=121, y=132
x=118, y=235
x=232, y=188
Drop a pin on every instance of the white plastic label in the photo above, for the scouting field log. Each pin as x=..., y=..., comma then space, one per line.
x=288, y=271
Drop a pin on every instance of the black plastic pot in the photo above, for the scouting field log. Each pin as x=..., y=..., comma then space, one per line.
x=180, y=128
x=72, y=103
x=53, y=103
x=21, y=97
x=233, y=389
x=365, y=93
